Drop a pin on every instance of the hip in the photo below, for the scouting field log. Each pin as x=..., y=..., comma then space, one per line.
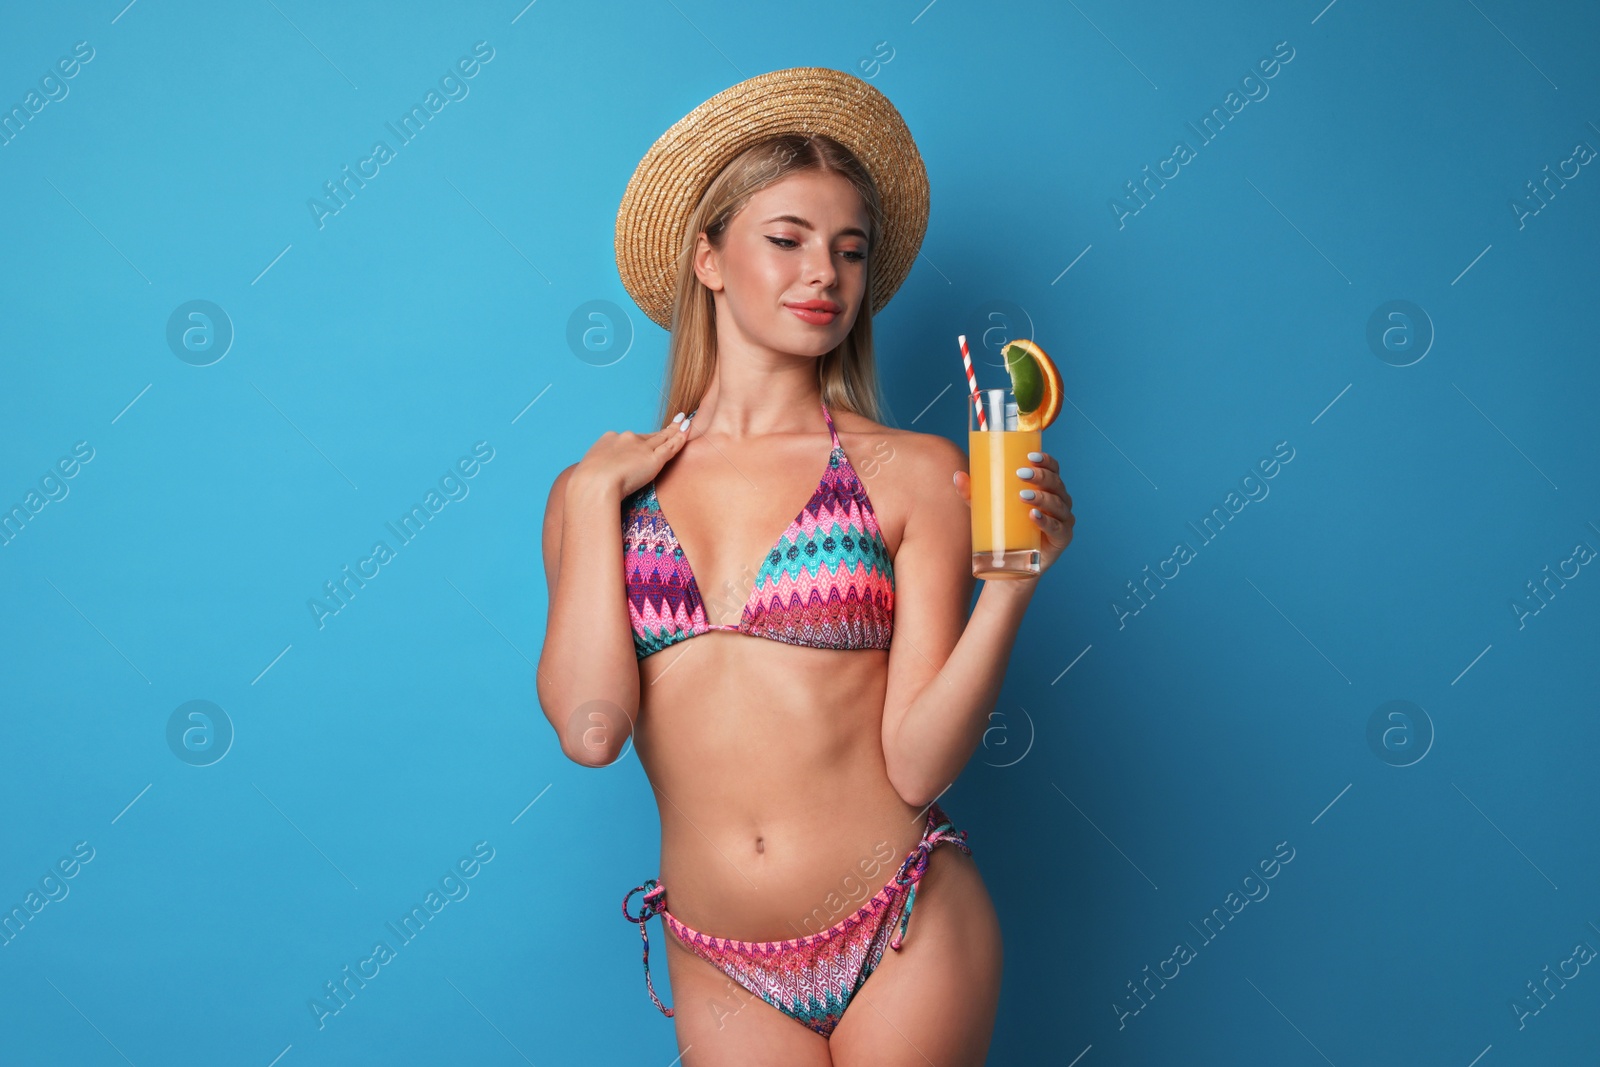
x=789, y=870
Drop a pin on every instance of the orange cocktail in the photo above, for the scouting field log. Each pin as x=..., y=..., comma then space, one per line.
x=1005, y=540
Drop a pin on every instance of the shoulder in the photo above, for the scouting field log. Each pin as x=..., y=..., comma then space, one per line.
x=554, y=505
x=928, y=454
x=558, y=488
x=928, y=475
x=564, y=476
x=923, y=459
x=938, y=456
x=908, y=473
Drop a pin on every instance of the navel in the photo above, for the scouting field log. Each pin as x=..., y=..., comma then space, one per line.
x=760, y=845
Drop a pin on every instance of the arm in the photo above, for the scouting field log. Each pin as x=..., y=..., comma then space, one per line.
x=945, y=670
x=588, y=674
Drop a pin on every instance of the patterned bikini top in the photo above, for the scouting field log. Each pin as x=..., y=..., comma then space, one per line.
x=827, y=583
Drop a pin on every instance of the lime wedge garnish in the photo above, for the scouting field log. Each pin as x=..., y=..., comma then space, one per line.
x=1027, y=380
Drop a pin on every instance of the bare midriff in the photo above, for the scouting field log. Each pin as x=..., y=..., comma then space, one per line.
x=777, y=815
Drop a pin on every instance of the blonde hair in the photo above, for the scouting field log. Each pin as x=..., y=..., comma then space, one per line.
x=847, y=375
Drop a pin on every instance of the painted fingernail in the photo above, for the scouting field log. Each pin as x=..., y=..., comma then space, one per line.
x=1034, y=512
x=1027, y=494
x=1037, y=457
x=682, y=426
x=1025, y=472
x=679, y=418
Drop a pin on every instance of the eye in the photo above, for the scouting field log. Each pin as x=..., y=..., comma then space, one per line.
x=787, y=242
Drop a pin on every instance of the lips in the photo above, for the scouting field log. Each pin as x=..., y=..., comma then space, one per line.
x=816, y=312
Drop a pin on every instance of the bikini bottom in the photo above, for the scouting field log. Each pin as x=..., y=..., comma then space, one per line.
x=810, y=979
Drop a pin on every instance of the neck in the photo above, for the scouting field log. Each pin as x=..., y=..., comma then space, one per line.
x=755, y=405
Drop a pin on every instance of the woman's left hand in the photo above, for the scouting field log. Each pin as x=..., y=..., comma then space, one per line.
x=1050, y=505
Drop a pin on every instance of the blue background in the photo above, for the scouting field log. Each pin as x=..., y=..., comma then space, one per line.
x=1441, y=859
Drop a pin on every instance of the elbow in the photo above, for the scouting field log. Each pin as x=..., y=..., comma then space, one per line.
x=919, y=797
x=596, y=735
x=914, y=791
x=584, y=756
x=593, y=734
x=919, y=778
x=590, y=705
x=905, y=774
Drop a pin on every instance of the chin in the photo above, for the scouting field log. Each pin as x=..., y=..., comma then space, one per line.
x=814, y=344
x=799, y=339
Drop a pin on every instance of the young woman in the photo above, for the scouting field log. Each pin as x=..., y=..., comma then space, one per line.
x=799, y=695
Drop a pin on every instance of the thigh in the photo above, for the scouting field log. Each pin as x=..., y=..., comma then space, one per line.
x=934, y=1001
x=720, y=1023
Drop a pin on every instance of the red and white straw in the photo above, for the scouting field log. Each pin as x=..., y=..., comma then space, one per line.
x=972, y=381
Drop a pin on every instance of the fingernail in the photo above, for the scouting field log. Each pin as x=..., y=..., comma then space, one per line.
x=1027, y=494
x=682, y=426
x=1034, y=512
x=1025, y=472
x=1037, y=457
x=953, y=477
x=679, y=418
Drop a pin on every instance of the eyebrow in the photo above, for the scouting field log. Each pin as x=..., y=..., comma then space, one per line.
x=849, y=231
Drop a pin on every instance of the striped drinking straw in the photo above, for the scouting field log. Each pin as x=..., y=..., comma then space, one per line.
x=972, y=381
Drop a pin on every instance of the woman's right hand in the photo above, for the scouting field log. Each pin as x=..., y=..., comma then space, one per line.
x=629, y=460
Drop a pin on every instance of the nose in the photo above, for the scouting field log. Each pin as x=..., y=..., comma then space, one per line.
x=820, y=269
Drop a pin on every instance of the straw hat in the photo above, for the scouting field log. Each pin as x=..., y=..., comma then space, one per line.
x=677, y=169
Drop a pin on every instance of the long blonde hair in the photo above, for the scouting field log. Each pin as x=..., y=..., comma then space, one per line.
x=847, y=375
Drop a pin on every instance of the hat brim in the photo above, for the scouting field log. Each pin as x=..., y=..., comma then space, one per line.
x=675, y=172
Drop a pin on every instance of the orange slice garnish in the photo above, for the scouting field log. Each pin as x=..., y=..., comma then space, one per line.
x=1035, y=383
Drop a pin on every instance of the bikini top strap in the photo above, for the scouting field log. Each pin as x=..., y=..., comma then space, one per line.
x=831, y=431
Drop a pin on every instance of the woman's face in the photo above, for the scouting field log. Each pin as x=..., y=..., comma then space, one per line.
x=798, y=241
